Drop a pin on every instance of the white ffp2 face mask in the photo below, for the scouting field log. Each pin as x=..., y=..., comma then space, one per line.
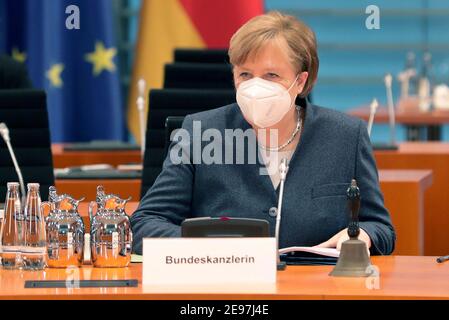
x=264, y=103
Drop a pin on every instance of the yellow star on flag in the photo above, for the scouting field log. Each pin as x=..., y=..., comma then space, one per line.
x=101, y=58
x=54, y=75
x=18, y=56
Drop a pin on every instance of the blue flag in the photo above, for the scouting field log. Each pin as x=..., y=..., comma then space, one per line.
x=69, y=49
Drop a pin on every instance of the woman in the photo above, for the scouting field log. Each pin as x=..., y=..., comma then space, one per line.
x=274, y=61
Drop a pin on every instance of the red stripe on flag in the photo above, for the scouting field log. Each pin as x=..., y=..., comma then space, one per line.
x=216, y=21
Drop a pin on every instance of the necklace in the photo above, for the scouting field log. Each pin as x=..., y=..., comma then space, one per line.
x=292, y=137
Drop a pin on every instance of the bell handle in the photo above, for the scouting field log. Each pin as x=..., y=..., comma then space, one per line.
x=81, y=200
x=77, y=202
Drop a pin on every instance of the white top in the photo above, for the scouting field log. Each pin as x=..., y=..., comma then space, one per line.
x=272, y=160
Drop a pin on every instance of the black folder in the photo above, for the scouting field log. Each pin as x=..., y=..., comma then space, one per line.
x=308, y=259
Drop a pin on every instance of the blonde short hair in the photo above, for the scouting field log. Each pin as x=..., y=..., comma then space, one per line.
x=299, y=37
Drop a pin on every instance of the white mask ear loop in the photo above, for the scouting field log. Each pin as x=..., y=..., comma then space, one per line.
x=291, y=86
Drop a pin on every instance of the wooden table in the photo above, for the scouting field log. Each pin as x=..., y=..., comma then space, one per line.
x=415, y=121
x=400, y=277
x=87, y=188
x=63, y=159
x=404, y=192
x=404, y=198
x=433, y=156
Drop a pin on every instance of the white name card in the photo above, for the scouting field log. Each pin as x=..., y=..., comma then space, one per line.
x=206, y=261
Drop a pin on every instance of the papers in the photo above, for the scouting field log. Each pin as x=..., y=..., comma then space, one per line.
x=328, y=252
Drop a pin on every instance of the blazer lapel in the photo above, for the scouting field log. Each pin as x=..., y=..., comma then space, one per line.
x=237, y=121
x=306, y=135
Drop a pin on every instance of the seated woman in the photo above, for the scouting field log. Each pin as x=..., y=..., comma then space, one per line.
x=274, y=59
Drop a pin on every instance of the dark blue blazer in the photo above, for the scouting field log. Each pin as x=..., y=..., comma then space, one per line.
x=334, y=148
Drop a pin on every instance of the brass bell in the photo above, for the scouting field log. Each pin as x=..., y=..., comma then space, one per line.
x=354, y=260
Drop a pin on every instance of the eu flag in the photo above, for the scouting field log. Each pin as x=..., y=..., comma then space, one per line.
x=69, y=48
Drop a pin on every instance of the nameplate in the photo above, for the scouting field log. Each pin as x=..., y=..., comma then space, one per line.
x=206, y=261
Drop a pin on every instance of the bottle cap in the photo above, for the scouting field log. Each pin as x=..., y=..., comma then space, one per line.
x=12, y=184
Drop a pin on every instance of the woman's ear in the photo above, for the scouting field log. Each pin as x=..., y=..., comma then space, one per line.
x=302, y=79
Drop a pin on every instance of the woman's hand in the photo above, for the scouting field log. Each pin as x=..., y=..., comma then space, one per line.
x=342, y=236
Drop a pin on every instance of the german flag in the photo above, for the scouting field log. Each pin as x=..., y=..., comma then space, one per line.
x=169, y=24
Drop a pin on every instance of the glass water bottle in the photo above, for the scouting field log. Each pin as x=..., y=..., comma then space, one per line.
x=11, y=231
x=34, y=250
x=410, y=66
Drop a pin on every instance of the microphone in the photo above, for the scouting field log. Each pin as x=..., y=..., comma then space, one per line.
x=283, y=169
x=388, y=86
x=4, y=132
x=141, y=86
x=373, y=109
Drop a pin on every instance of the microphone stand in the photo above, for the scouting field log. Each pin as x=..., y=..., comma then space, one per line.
x=373, y=109
x=283, y=169
x=4, y=132
x=141, y=85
